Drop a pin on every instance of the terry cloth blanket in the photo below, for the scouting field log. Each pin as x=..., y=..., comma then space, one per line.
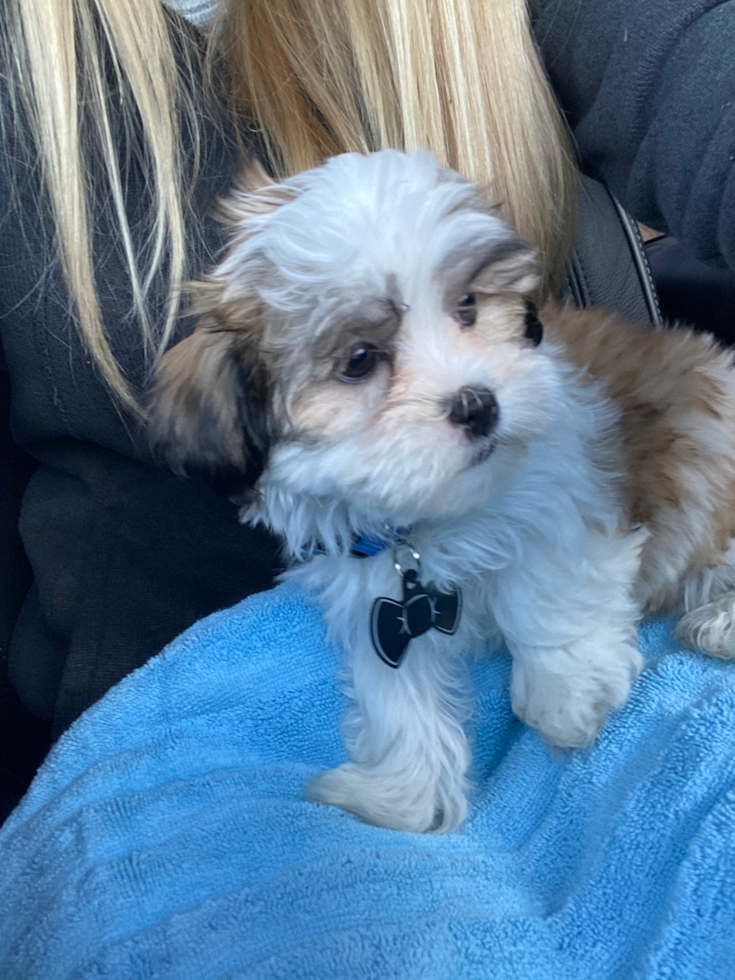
x=166, y=837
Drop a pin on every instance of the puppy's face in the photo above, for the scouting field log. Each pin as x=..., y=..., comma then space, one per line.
x=366, y=339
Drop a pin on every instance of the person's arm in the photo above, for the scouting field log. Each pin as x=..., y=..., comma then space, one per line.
x=649, y=91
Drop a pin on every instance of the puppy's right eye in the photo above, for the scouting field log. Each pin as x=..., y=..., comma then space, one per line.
x=364, y=359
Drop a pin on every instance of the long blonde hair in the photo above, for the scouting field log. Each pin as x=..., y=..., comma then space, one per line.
x=460, y=77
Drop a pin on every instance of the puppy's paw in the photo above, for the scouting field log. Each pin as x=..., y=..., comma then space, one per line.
x=388, y=800
x=567, y=698
x=711, y=628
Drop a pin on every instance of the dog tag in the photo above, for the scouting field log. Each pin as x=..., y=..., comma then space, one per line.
x=394, y=624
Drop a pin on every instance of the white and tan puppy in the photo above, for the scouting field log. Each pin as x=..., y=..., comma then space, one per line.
x=367, y=360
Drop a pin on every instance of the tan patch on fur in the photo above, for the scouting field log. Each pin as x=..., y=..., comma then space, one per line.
x=676, y=390
x=331, y=408
x=499, y=321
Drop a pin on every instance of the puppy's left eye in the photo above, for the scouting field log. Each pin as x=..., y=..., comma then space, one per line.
x=364, y=359
x=466, y=311
x=534, y=328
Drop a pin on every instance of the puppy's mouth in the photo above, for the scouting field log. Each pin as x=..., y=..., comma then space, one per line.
x=482, y=452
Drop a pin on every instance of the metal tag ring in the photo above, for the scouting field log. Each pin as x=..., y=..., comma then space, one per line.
x=412, y=551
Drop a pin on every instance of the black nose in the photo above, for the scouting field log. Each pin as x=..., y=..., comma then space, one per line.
x=476, y=410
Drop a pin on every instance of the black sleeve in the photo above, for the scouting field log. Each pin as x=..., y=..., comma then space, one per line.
x=104, y=558
x=649, y=90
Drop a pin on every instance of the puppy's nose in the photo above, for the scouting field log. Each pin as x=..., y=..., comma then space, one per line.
x=476, y=410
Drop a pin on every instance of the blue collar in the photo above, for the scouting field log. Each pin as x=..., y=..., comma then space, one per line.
x=366, y=546
x=369, y=545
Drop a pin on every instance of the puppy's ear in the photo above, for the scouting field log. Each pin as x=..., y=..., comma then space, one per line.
x=209, y=410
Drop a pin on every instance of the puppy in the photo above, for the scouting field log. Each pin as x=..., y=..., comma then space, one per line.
x=446, y=466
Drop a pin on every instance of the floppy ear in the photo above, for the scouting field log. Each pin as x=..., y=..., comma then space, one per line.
x=210, y=413
x=210, y=416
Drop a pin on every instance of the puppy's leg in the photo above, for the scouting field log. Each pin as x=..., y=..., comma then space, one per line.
x=572, y=634
x=406, y=738
x=708, y=599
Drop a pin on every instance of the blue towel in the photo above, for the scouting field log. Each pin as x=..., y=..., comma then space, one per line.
x=166, y=836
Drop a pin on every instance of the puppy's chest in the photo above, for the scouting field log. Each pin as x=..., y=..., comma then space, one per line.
x=395, y=613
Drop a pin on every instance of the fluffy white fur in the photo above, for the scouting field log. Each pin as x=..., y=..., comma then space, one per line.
x=532, y=569
x=529, y=521
x=532, y=536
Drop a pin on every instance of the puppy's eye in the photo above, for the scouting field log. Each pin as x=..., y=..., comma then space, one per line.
x=466, y=311
x=364, y=359
x=534, y=328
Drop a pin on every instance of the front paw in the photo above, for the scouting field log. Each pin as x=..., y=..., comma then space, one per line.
x=389, y=800
x=567, y=697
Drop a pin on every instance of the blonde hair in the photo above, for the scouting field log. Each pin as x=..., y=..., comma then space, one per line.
x=460, y=77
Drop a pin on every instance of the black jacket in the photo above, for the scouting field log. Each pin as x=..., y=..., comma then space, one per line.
x=107, y=556
x=649, y=90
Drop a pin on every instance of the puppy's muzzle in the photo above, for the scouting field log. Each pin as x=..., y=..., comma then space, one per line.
x=475, y=410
